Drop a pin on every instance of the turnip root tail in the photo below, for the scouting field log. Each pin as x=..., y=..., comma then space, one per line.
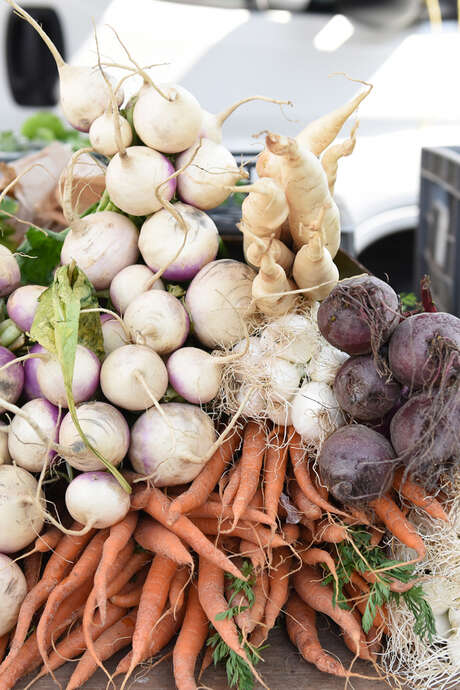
x=221, y=117
x=317, y=135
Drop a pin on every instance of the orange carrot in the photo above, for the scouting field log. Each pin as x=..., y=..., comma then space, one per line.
x=307, y=583
x=395, y=585
x=313, y=556
x=320, y=488
x=48, y=540
x=57, y=567
x=302, y=475
x=32, y=567
x=330, y=532
x=391, y=516
x=84, y=569
x=301, y=628
x=278, y=594
x=257, y=501
x=204, y=483
x=178, y=588
x=416, y=494
x=232, y=485
x=213, y=509
x=358, y=516
x=251, y=464
x=113, y=639
x=309, y=509
x=359, y=597
x=206, y=661
x=158, y=506
x=248, y=619
x=153, y=536
x=153, y=600
x=274, y=474
x=190, y=641
x=3, y=645
x=245, y=530
x=130, y=596
x=118, y=538
x=254, y=552
x=290, y=532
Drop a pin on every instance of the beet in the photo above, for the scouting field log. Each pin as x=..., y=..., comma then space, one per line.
x=362, y=391
x=356, y=464
x=425, y=350
x=359, y=315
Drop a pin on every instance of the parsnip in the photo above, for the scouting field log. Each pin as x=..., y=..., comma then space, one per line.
x=314, y=268
x=267, y=286
x=331, y=156
x=255, y=247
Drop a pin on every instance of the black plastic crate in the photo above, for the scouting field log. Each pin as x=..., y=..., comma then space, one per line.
x=437, y=249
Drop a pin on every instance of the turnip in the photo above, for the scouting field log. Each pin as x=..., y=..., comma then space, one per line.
x=195, y=374
x=157, y=319
x=362, y=391
x=96, y=499
x=293, y=337
x=22, y=305
x=132, y=179
x=167, y=118
x=101, y=244
x=425, y=349
x=131, y=282
x=83, y=92
x=105, y=428
x=172, y=447
x=325, y=362
x=13, y=589
x=162, y=239
x=27, y=450
x=5, y=458
x=114, y=333
x=133, y=377
x=359, y=315
x=356, y=464
x=315, y=412
x=21, y=510
x=11, y=377
x=204, y=183
x=219, y=299
x=85, y=377
x=103, y=137
x=10, y=275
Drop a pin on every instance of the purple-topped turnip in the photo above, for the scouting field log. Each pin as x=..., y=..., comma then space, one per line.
x=157, y=319
x=11, y=378
x=131, y=282
x=96, y=499
x=22, y=305
x=85, y=377
x=10, y=275
x=27, y=450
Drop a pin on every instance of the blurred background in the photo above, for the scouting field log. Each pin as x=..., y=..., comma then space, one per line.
x=398, y=193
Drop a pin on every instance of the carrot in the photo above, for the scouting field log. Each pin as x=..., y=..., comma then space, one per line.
x=330, y=532
x=359, y=597
x=153, y=600
x=82, y=571
x=48, y=540
x=108, y=643
x=130, y=595
x=153, y=536
x=73, y=643
x=301, y=628
x=274, y=474
x=358, y=516
x=257, y=501
x=395, y=585
x=416, y=494
x=254, y=552
x=232, y=485
x=313, y=556
x=213, y=601
x=3, y=645
x=245, y=530
x=391, y=516
x=278, y=594
x=159, y=637
x=206, y=661
x=57, y=567
x=158, y=506
x=118, y=538
x=32, y=567
x=190, y=641
x=178, y=587
x=204, y=483
x=302, y=475
x=29, y=657
x=320, y=488
x=307, y=583
x=248, y=619
x=307, y=507
x=290, y=532
x=376, y=536
x=251, y=464
x=213, y=509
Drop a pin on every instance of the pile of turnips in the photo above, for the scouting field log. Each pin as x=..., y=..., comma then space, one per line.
x=148, y=350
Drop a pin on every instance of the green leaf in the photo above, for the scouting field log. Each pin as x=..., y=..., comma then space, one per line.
x=7, y=232
x=43, y=122
x=39, y=254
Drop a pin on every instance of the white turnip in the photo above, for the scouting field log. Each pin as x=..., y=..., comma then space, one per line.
x=157, y=319
x=101, y=244
x=132, y=375
x=5, y=458
x=102, y=134
x=13, y=589
x=96, y=499
x=131, y=282
x=161, y=241
x=315, y=412
x=132, y=179
x=10, y=276
x=85, y=377
x=31, y=387
x=172, y=447
x=106, y=430
x=22, y=305
x=169, y=121
x=27, y=450
x=21, y=509
x=195, y=374
x=11, y=378
x=114, y=333
x=219, y=299
x=203, y=183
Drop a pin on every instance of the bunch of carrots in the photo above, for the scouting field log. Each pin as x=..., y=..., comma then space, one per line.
x=213, y=564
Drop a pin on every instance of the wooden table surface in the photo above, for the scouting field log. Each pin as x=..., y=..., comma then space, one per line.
x=283, y=669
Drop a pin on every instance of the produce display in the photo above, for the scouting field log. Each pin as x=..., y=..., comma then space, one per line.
x=194, y=448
